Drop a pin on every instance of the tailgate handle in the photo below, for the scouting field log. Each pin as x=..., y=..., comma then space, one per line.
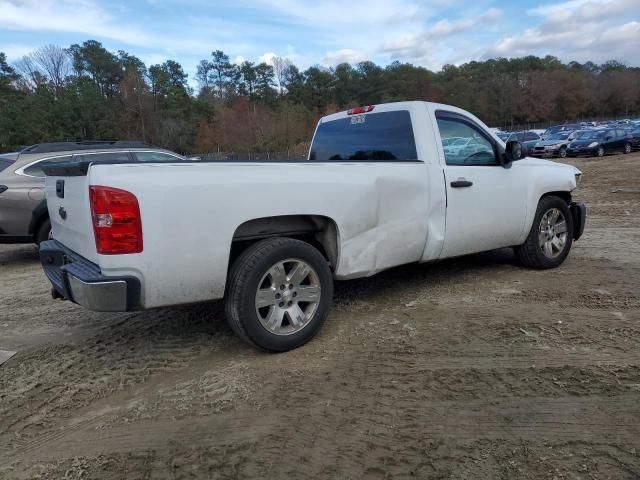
x=60, y=188
x=461, y=183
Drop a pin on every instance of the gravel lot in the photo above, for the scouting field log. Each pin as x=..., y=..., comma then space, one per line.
x=471, y=368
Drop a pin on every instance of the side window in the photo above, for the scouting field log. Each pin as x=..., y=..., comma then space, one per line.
x=35, y=169
x=471, y=147
x=531, y=136
x=115, y=157
x=156, y=157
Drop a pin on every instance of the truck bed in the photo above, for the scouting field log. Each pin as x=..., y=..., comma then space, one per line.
x=192, y=210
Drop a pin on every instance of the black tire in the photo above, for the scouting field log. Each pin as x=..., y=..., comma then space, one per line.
x=44, y=232
x=627, y=148
x=243, y=281
x=530, y=253
x=600, y=152
x=562, y=153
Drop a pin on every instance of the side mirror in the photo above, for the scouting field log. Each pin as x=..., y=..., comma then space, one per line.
x=513, y=151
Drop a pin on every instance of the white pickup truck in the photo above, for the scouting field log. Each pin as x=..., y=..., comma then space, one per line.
x=377, y=190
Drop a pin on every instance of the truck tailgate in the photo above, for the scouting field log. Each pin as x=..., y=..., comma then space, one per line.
x=70, y=214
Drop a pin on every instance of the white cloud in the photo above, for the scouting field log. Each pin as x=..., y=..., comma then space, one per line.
x=340, y=13
x=91, y=19
x=343, y=55
x=239, y=60
x=422, y=44
x=16, y=52
x=581, y=30
x=77, y=16
x=267, y=58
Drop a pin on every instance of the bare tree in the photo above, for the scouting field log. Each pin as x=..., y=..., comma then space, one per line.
x=50, y=63
x=54, y=61
x=30, y=76
x=280, y=67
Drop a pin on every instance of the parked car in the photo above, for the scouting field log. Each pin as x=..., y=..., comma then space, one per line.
x=600, y=142
x=23, y=212
x=527, y=138
x=567, y=127
x=462, y=147
x=554, y=145
x=270, y=237
x=635, y=138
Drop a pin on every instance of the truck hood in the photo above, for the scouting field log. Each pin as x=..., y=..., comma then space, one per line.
x=539, y=162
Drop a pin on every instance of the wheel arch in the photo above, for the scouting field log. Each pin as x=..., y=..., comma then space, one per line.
x=563, y=194
x=318, y=230
x=39, y=215
x=536, y=198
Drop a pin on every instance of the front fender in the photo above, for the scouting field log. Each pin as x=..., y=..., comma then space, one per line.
x=545, y=177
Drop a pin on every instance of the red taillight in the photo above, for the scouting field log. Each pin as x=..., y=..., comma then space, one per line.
x=359, y=110
x=116, y=220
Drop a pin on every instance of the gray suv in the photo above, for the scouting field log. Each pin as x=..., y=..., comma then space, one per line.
x=23, y=212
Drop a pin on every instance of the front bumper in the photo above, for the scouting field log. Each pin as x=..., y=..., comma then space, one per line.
x=77, y=279
x=574, y=152
x=579, y=214
x=546, y=153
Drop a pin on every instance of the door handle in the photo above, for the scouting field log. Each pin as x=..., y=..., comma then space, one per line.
x=461, y=183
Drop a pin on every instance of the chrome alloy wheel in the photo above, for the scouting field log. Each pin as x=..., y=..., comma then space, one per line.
x=552, y=235
x=288, y=296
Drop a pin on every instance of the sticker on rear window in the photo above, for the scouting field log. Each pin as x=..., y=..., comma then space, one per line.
x=358, y=119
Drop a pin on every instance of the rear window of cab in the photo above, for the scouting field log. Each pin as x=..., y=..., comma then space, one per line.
x=6, y=160
x=383, y=136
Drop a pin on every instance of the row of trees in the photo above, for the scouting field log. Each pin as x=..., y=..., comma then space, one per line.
x=87, y=92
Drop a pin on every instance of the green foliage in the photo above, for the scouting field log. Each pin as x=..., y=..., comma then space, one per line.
x=91, y=93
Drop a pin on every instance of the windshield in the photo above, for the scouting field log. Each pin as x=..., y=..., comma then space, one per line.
x=558, y=136
x=590, y=135
x=552, y=130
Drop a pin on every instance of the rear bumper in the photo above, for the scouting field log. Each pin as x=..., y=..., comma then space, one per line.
x=77, y=279
x=579, y=214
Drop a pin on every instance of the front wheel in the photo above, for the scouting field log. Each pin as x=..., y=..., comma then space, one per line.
x=563, y=152
x=551, y=235
x=600, y=151
x=279, y=294
x=627, y=148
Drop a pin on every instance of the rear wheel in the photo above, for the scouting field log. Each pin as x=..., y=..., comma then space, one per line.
x=44, y=232
x=279, y=294
x=551, y=235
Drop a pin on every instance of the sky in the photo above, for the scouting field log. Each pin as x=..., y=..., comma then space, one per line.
x=428, y=33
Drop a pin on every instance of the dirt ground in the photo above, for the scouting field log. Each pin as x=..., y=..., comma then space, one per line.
x=471, y=368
